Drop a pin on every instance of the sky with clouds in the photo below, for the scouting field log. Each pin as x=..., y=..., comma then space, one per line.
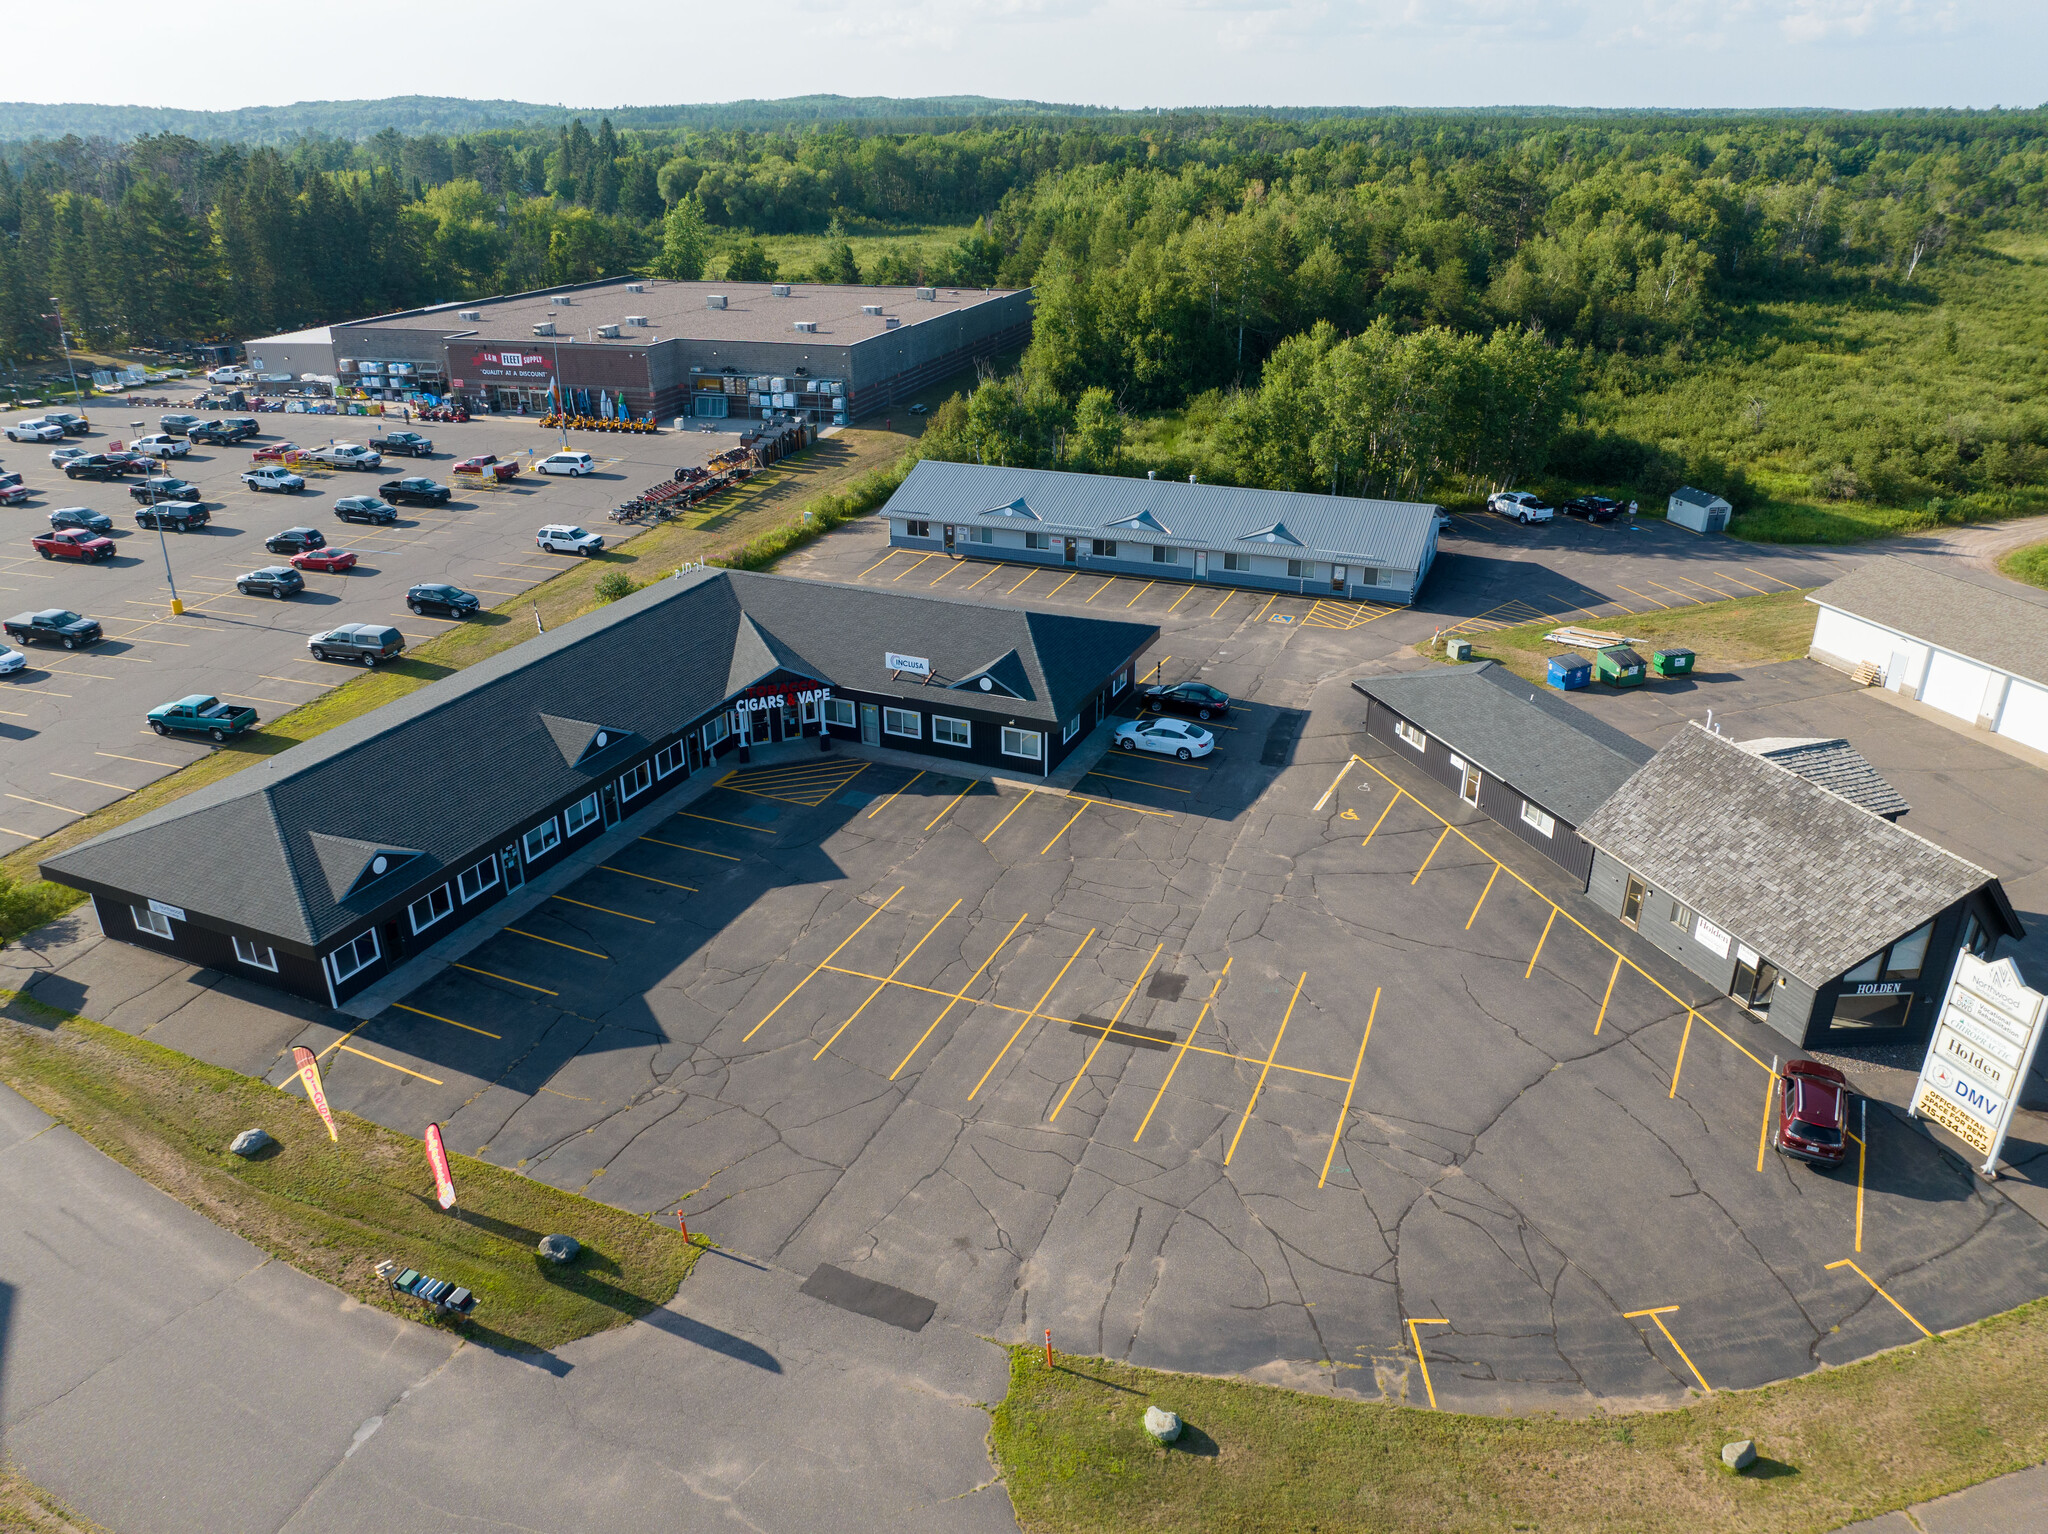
x=1125, y=53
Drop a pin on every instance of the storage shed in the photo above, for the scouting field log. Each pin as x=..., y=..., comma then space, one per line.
x=1818, y=915
x=1975, y=650
x=1529, y=759
x=1701, y=510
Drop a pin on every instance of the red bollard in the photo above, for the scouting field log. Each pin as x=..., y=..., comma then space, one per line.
x=682, y=1225
x=1048, y=1347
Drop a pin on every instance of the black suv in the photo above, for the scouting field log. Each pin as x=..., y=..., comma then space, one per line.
x=1197, y=698
x=221, y=433
x=173, y=516
x=450, y=600
x=296, y=540
x=1594, y=508
x=365, y=508
x=176, y=425
x=271, y=581
x=95, y=466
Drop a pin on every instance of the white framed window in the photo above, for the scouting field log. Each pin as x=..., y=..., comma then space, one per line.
x=1036, y=541
x=635, y=780
x=1681, y=916
x=1162, y=555
x=542, y=839
x=903, y=721
x=668, y=759
x=430, y=908
x=1296, y=569
x=1544, y=825
x=839, y=711
x=914, y=528
x=1410, y=734
x=716, y=731
x=351, y=958
x=981, y=535
x=153, y=922
x=807, y=711
x=1070, y=729
x=1237, y=562
x=951, y=732
x=1103, y=548
x=256, y=955
x=580, y=814
x=1120, y=681
x=1028, y=744
x=1366, y=575
x=477, y=878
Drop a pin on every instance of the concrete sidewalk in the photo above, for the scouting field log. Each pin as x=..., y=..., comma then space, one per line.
x=2012, y=1504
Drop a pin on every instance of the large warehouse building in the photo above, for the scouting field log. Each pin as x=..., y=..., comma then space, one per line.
x=708, y=350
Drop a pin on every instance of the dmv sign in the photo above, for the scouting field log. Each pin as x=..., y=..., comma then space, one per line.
x=1983, y=1045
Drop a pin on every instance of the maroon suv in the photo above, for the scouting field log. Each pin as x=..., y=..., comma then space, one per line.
x=1813, y=1113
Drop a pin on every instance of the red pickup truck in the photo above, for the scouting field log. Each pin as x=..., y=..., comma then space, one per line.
x=73, y=543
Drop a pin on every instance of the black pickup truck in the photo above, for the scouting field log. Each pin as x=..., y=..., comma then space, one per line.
x=410, y=444
x=53, y=625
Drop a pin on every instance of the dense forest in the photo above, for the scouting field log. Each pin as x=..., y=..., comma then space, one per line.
x=1397, y=303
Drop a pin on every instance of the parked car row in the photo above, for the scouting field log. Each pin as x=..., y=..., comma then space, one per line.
x=1527, y=507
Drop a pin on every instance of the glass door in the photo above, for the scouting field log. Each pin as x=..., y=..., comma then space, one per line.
x=870, y=725
x=515, y=873
x=1632, y=900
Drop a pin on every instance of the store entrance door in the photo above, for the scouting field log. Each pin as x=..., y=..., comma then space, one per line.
x=1070, y=551
x=870, y=725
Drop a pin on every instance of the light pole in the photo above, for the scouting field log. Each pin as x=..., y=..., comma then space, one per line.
x=162, y=542
x=63, y=337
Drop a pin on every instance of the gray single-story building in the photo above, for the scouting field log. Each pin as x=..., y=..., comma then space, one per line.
x=1533, y=762
x=323, y=867
x=1976, y=651
x=1817, y=914
x=1218, y=535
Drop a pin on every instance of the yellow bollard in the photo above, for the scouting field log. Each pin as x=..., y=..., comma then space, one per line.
x=177, y=607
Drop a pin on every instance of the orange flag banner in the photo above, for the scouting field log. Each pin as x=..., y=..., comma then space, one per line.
x=437, y=1158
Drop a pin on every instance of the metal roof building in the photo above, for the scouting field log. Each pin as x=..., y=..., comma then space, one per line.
x=1534, y=762
x=1975, y=651
x=1268, y=540
x=1834, y=925
x=319, y=868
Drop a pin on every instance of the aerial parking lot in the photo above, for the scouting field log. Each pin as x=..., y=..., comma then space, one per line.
x=1277, y=1061
x=84, y=710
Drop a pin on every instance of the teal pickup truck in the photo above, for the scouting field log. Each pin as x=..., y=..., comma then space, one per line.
x=201, y=715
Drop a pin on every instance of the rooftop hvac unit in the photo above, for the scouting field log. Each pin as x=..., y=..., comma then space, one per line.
x=779, y=289
x=929, y=295
x=470, y=314
x=808, y=327
x=637, y=321
x=544, y=328
x=609, y=332
x=636, y=287
x=891, y=322
x=870, y=308
x=714, y=301
x=560, y=298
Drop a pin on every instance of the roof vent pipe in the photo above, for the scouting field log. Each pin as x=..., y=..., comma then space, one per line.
x=1191, y=479
x=1151, y=473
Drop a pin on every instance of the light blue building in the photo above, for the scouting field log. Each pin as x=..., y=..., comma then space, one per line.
x=1218, y=535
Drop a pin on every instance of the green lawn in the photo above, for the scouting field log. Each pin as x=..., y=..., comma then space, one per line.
x=1835, y=1446
x=334, y=1210
x=2029, y=564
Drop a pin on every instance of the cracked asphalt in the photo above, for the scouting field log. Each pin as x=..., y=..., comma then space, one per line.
x=1238, y=1066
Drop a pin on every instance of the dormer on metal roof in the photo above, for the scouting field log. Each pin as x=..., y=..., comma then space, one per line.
x=1275, y=533
x=1017, y=508
x=1143, y=522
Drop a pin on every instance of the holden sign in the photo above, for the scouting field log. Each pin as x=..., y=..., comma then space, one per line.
x=1977, y=1061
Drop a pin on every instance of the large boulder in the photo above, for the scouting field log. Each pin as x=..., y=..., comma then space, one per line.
x=1164, y=1426
x=1740, y=1455
x=251, y=1142
x=559, y=1249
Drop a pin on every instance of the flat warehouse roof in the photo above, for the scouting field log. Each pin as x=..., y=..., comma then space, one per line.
x=679, y=310
x=1276, y=523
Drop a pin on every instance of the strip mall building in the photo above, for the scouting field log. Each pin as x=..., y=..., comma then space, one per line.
x=320, y=869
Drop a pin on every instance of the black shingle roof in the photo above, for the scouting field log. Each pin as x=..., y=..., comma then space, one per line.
x=286, y=846
x=1813, y=881
x=1836, y=766
x=1552, y=751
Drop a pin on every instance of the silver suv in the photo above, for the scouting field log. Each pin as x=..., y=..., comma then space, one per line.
x=565, y=538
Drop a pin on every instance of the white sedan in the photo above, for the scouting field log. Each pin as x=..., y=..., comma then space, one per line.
x=161, y=445
x=11, y=661
x=1170, y=736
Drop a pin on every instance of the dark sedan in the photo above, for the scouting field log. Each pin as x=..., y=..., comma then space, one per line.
x=1594, y=508
x=415, y=491
x=1197, y=698
x=166, y=490
x=447, y=601
x=271, y=581
x=365, y=508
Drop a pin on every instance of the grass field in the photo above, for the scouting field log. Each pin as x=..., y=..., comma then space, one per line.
x=2029, y=564
x=1745, y=631
x=1834, y=1446
x=770, y=506
x=333, y=1210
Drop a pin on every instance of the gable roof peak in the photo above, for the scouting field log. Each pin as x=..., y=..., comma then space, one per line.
x=1272, y=532
x=350, y=865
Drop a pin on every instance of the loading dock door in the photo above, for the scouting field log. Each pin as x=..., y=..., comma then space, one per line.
x=1954, y=685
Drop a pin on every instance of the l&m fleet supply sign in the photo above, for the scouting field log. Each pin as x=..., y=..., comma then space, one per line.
x=1979, y=1056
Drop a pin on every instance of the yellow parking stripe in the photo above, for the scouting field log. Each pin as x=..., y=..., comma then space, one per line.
x=522, y=932
x=605, y=910
x=608, y=868
x=416, y=1012
x=490, y=975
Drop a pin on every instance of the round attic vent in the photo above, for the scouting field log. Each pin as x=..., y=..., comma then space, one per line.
x=378, y=865
x=987, y=685
x=602, y=738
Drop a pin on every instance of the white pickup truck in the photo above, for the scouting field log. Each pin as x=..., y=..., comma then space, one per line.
x=344, y=455
x=271, y=476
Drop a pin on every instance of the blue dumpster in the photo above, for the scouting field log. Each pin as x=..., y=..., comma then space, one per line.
x=1569, y=671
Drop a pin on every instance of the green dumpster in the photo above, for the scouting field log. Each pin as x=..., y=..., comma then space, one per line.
x=1672, y=662
x=1619, y=666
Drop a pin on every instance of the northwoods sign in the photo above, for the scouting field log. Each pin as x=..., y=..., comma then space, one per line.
x=1977, y=1062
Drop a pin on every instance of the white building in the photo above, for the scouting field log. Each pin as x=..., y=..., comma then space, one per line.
x=1701, y=510
x=1972, y=651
